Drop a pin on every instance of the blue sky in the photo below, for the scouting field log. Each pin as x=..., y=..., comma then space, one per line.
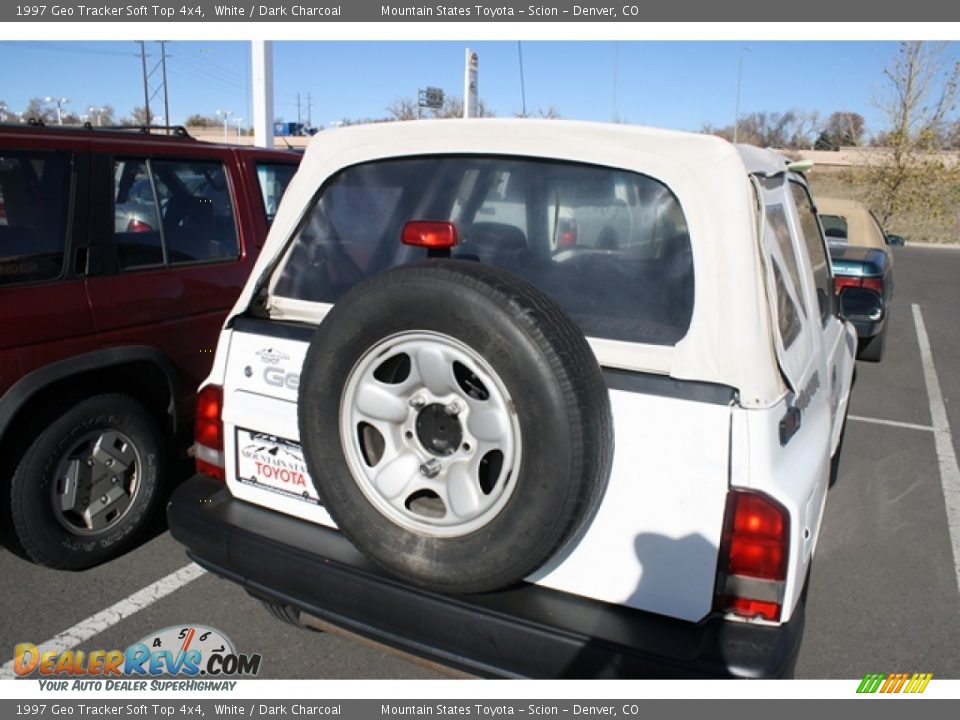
x=676, y=84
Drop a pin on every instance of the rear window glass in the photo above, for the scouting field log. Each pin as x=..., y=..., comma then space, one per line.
x=834, y=227
x=611, y=246
x=34, y=198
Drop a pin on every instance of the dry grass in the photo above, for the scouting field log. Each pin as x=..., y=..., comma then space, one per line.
x=938, y=221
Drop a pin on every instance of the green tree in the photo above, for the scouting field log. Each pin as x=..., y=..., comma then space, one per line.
x=845, y=127
x=199, y=120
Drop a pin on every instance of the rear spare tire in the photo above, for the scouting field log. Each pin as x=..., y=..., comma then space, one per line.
x=455, y=423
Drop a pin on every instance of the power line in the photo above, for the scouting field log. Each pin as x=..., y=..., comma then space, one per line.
x=62, y=47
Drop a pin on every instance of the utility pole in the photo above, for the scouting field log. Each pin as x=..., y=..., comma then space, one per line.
x=309, y=114
x=146, y=89
x=166, y=96
x=298, y=109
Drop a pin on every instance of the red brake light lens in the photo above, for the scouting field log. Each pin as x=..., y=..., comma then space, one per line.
x=868, y=283
x=873, y=283
x=208, y=432
x=754, y=554
x=840, y=282
x=757, y=543
x=755, y=608
x=568, y=234
x=431, y=234
x=136, y=226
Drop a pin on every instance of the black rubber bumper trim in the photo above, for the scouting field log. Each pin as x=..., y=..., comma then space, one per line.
x=525, y=631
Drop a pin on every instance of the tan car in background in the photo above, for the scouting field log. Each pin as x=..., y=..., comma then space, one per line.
x=862, y=269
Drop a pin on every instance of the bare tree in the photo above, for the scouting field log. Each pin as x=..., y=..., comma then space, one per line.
x=453, y=108
x=37, y=109
x=790, y=129
x=548, y=113
x=138, y=116
x=921, y=91
x=403, y=109
x=804, y=129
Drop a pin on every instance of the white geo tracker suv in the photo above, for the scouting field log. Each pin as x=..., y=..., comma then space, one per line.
x=530, y=398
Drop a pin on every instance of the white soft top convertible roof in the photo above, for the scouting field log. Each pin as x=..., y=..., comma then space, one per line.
x=729, y=341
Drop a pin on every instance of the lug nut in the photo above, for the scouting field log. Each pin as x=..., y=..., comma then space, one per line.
x=108, y=462
x=103, y=499
x=114, y=480
x=431, y=468
x=89, y=462
x=417, y=402
x=453, y=409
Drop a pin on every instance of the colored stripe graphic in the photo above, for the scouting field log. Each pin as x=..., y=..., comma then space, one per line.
x=894, y=683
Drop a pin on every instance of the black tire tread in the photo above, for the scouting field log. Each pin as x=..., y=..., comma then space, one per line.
x=21, y=522
x=572, y=366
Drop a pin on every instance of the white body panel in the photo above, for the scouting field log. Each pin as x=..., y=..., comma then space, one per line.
x=654, y=542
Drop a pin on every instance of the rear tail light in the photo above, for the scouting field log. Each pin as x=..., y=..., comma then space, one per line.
x=568, y=234
x=873, y=283
x=869, y=283
x=137, y=226
x=209, y=432
x=754, y=553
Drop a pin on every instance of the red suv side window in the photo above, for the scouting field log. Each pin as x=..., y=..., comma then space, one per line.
x=33, y=209
x=170, y=212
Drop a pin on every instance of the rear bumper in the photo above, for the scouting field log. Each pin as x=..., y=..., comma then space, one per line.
x=526, y=631
x=867, y=329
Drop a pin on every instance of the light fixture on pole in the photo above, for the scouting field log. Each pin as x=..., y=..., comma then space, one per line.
x=98, y=111
x=736, y=113
x=60, y=101
x=225, y=114
x=238, y=121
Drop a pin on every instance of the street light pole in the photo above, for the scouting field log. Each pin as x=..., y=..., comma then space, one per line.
x=736, y=113
x=59, y=101
x=98, y=111
x=225, y=114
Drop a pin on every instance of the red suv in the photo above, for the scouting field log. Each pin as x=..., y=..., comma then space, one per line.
x=121, y=252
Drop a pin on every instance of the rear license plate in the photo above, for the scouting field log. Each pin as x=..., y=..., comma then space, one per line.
x=273, y=464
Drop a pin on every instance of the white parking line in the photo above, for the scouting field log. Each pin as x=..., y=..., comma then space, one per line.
x=947, y=458
x=891, y=423
x=86, y=629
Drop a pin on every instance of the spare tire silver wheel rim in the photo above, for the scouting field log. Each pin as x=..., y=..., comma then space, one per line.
x=430, y=434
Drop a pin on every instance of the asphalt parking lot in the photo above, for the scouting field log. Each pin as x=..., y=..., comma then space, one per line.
x=884, y=589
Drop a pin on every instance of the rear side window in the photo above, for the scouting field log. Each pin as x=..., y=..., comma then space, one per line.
x=612, y=247
x=273, y=179
x=34, y=202
x=813, y=240
x=172, y=212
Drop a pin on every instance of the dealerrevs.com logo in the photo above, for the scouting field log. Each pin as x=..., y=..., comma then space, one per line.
x=889, y=683
x=186, y=651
